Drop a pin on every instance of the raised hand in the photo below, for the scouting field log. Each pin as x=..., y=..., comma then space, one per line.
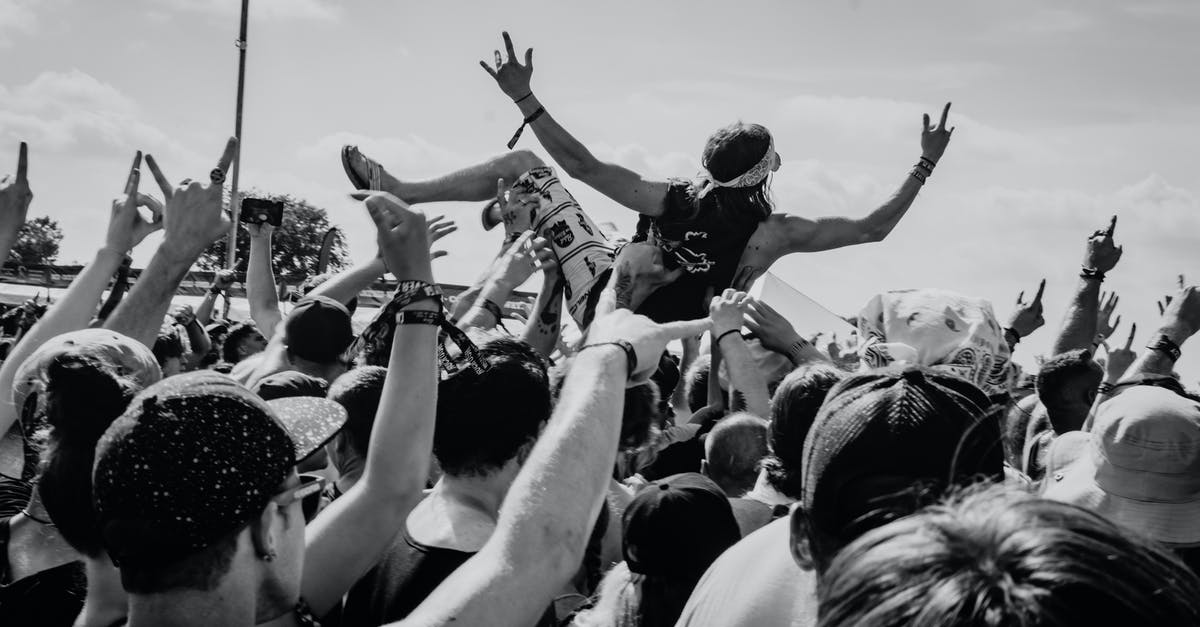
x=15, y=194
x=638, y=271
x=402, y=235
x=1102, y=253
x=520, y=260
x=194, y=215
x=440, y=227
x=935, y=139
x=726, y=311
x=649, y=339
x=223, y=279
x=262, y=230
x=512, y=77
x=1120, y=359
x=1105, y=324
x=771, y=328
x=1027, y=317
x=1181, y=319
x=184, y=315
x=126, y=226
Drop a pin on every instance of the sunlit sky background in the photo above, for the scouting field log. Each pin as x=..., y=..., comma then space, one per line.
x=1066, y=113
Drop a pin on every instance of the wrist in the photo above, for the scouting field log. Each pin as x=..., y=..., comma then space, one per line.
x=1176, y=332
x=109, y=253
x=528, y=105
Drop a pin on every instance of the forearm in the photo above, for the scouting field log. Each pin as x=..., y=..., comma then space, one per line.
x=199, y=342
x=546, y=517
x=345, y=286
x=71, y=312
x=204, y=312
x=480, y=316
x=744, y=375
x=140, y=314
x=1152, y=363
x=261, y=291
x=879, y=223
x=569, y=153
x=544, y=327
x=1078, y=328
x=119, y=287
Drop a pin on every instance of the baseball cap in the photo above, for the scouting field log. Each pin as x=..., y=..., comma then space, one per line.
x=318, y=329
x=1139, y=466
x=882, y=433
x=193, y=459
x=127, y=357
x=290, y=383
x=677, y=526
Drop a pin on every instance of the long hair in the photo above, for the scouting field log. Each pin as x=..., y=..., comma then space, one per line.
x=729, y=153
x=627, y=599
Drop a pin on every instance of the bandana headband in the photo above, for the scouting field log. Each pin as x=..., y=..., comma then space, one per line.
x=749, y=178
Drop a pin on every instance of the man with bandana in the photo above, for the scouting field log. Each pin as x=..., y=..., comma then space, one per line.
x=716, y=230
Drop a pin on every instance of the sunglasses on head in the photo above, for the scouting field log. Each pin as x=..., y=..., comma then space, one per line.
x=308, y=492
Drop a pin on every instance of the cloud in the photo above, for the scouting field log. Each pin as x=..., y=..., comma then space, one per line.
x=315, y=10
x=411, y=156
x=16, y=16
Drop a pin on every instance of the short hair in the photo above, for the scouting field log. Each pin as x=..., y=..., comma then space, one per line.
x=484, y=419
x=290, y=384
x=1060, y=382
x=83, y=396
x=359, y=391
x=998, y=557
x=696, y=383
x=793, y=409
x=168, y=344
x=733, y=450
x=202, y=570
x=238, y=333
x=729, y=153
x=641, y=412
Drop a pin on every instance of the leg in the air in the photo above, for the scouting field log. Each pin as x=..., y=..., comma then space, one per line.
x=472, y=183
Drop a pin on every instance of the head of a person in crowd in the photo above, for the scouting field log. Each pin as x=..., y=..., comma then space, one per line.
x=75, y=385
x=288, y=384
x=1138, y=465
x=243, y=340
x=733, y=450
x=487, y=422
x=641, y=414
x=1001, y=557
x=313, y=282
x=358, y=391
x=695, y=383
x=196, y=492
x=673, y=530
x=1066, y=386
x=666, y=378
x=169, y=349
x=740, y=158
x=884, y=444
x=793, y=409
x=318, y=335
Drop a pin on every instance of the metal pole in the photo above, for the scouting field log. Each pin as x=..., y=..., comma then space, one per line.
x=231, y=245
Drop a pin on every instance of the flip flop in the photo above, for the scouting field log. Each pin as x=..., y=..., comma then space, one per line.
x=374, y=179
x=489, y=215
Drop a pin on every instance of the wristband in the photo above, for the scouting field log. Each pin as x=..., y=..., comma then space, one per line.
x=529, y=120
x=1016, y=337
x=522, y=98
x=927, y=163
x=1105, y=388
x=630, y=353
x=1166, y=345
x=419, y=317
x=409, y=292
x=1091, y=273
x=491, y=308
x=917, y=174
x=215, y=290
x=731, y=331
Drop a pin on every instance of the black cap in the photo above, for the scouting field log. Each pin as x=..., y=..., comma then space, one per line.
x=288, y=384
x=194, y=458
x=318, y=329
x=677, y=526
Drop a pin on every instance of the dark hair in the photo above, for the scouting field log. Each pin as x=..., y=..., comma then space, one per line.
x=289, y=384
x=1063, y=384
x=358, y=391
x=729, y=153
x=168, y=344
x=83, y=397
x=202, y=570
x=793, y=409
x=696, y=383
x=484, y=420
x=733, y=450
x=998, y=558
x=641, y=413
x=313, y=282
x=238, y=333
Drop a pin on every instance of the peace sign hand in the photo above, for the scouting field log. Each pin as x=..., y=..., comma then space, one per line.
x=1027, y=318
x=512, y=77
x=15, y=195
x=935, y=139
x=1102, y=253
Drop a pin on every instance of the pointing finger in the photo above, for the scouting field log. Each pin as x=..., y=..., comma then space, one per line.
x=1112, y=226
x=228, y=155
x=163, y=184
x=131, y=183
x=688, y=328
x=945, y=112
x=1132, y=331
x=1021, y=297
x=508, y=46
x=23, y=163
x=1041, y=290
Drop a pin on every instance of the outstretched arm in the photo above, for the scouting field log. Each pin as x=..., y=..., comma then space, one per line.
x=618, y=183
x=1079, y=323
x=804, y=235
x=261, y=291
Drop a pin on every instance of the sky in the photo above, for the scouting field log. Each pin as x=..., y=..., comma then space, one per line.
x=1066, y=113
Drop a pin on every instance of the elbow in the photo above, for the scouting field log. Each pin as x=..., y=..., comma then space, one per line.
x=582, y=168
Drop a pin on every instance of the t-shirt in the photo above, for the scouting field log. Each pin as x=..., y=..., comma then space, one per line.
x=51, y=597
x=755, y=583
x=752, y=515
x=408, y=573
x=707, y=245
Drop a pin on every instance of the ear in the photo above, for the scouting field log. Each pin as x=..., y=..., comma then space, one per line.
x=800, y=543
x=262, y=536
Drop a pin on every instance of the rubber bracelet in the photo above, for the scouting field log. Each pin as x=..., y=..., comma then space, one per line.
x=729, y=332
x=1105, y=388
x=630, y=353
x=1091, y=273
x=917, y=174
x=523, y=98
x=1164, y=344
x=927, y=163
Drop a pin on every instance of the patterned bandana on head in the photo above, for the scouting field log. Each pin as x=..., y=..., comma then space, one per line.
x=749, y=178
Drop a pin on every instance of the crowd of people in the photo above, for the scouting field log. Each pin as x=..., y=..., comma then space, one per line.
x=691, y=460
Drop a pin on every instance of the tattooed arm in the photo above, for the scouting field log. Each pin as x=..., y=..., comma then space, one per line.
x=637, y=272
x=543, y=328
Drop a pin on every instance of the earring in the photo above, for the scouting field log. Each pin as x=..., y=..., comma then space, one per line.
x=268, y=556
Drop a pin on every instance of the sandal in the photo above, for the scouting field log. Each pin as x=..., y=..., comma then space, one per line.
x=374, y=179
x=489, y=215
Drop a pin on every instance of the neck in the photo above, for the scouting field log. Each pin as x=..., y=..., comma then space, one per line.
x=106, y=600
x=483, y=493
x=232, y=602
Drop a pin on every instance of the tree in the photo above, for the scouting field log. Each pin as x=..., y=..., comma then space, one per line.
x=37, y=241
x=296, y=245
